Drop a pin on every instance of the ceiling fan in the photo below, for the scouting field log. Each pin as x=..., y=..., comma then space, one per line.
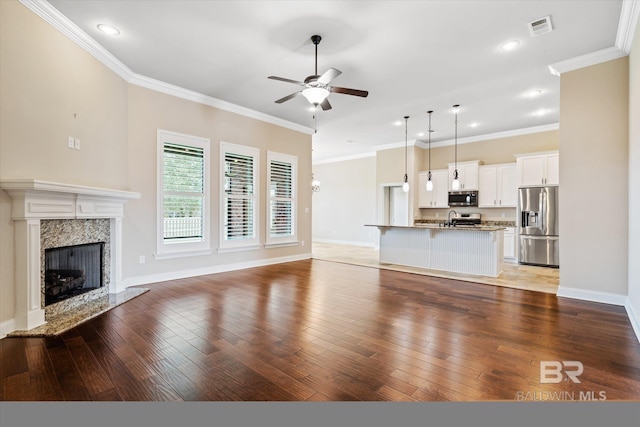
x=316, y=87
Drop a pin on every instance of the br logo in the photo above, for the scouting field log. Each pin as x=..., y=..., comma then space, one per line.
x=551, y=371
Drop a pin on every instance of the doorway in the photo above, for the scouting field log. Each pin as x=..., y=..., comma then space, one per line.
x=396, y=205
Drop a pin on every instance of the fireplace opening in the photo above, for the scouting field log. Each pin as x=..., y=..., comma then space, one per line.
x=72, y=271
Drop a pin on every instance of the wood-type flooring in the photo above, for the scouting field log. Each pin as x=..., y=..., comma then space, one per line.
x=317, y=330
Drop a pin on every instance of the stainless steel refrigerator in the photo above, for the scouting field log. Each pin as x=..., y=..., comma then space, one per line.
x=538, y=226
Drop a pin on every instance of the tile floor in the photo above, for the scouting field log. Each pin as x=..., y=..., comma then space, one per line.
x=514, y=275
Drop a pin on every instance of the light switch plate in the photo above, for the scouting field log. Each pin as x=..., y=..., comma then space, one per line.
x=70, y=142
x=76, y=144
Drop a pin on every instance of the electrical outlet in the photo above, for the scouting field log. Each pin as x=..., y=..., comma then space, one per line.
x=76, y=143
x=70, y=142
x=142, y=259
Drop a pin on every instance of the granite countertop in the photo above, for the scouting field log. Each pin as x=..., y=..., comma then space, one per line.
x=492, y=223
x=437, y=226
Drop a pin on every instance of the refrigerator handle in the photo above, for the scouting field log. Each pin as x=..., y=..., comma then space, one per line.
x=543, y=210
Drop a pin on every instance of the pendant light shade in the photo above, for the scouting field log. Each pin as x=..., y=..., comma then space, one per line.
x=455, y=185
x=405, y=185
x=429, y=182
x=315, y=184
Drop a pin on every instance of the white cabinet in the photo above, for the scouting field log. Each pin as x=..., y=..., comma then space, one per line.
x=439, y=197
x=510, y=243
x=467, y=174
x=497, y=187
x=538, y=169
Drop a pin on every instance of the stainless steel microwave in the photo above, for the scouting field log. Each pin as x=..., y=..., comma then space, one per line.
x=463, y=198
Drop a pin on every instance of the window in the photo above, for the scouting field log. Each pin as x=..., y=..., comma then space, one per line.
x=183, y=195
x=281, y=179
x=239, y=196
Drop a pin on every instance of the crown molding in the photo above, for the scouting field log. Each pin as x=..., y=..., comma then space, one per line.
x=586, y=60
x=345, y=158
x=53, y=17
x=627, y=24
x=190, y=95
x=496, y=135
x=61, y=23
x=423, y=145
x=629, y=15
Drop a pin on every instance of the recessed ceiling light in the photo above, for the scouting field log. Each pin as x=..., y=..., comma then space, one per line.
x=420, y=134
x=473, y=125
x=510, y=45
x=534, y=92
x=540, y=112
x=398, y=123
x=109, y=29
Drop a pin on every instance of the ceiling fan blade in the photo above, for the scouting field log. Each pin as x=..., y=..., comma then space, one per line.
x=282, y=79
x=325, y=105
x=329, y=75
x=288, y=97
x=347, y=91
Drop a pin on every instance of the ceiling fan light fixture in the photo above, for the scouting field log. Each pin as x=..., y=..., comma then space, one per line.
x=315, y=95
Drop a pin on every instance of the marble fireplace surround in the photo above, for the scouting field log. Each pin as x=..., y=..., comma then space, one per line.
x=34, y=201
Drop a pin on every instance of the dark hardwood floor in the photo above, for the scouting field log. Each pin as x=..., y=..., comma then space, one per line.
x=318, y=330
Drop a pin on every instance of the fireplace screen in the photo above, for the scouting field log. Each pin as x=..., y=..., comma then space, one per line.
x=72, y=270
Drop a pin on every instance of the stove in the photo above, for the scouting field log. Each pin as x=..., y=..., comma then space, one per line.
x=471, y=219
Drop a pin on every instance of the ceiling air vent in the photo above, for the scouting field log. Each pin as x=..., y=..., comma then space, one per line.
x=540, y=26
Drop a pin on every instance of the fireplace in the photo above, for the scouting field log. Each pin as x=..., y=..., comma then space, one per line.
x=72, y=270
x=37, y=205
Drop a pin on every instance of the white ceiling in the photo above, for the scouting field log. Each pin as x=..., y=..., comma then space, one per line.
x=412, y=56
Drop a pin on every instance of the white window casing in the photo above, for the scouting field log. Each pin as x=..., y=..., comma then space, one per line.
x=183, y=195
x=239, y=197
x=281, y=221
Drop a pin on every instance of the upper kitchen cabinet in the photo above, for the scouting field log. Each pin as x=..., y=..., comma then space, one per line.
x=537, y=169
x=497, y=186
x=439, y=197
x=467, y=174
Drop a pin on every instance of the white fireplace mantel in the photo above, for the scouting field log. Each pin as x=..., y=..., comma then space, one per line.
x=35, y=200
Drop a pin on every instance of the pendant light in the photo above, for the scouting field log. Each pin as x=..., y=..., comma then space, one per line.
x=315, y=184
x=429, y=182
x=455, y=185
x=405, y=185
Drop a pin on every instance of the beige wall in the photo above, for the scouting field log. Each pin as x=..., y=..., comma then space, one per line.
x=594, y=125
x=634, y=177
x=149, y=111
x=45, y=78
x=390, y=166
x=490, y=151
x=346, y=201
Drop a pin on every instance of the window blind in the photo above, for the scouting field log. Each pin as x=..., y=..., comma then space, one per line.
x=239, y=196
x=183, y=192
x=281, y=198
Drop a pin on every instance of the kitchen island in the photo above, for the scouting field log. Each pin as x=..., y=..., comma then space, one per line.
x=474, y=250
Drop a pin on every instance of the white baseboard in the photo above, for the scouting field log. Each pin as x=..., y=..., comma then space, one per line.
x=175, y=275
x=7, y=327
x=594, y=296
x=634, y=317
x=346, y=242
